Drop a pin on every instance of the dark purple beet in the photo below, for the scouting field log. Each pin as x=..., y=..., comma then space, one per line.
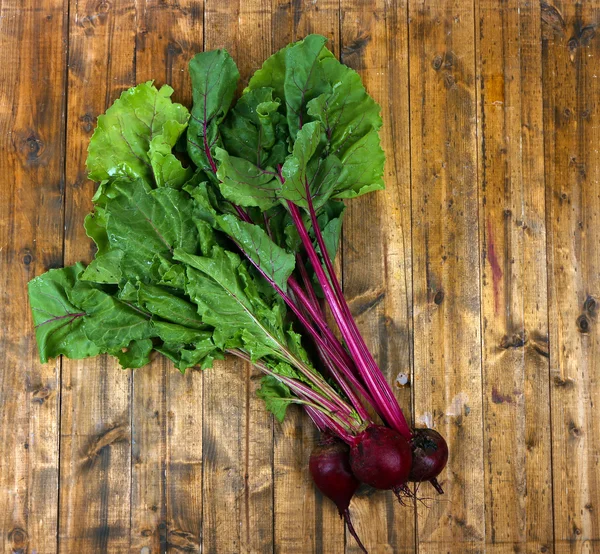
x=430, y=454
x=381, y=458
x=330, y=469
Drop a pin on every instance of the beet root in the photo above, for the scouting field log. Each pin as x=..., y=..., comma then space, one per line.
x=430, y=454
x=381, y=458
x=330, y=469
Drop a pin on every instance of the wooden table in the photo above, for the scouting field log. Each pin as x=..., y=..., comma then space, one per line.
x=477, y=271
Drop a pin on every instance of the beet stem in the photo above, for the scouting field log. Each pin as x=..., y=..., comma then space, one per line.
x=346, y=515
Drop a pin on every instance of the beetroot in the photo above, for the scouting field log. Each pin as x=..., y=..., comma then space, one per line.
x=330, y=469
x=430, y=454
x=381, y=458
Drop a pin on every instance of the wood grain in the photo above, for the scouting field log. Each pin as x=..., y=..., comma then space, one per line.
x=514, y=294
x=476, y=272
x=305, y=521
x=237, y=431
x=447, y=307
x=377, y=263
x=32, y=110
x=166, y=495
x=95, y=465
x=571, y=60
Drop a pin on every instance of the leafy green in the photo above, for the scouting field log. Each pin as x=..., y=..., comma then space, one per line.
x=276, y=395
x=214, y=80
x=58, y=321
x=141, y=125
x=179, y=267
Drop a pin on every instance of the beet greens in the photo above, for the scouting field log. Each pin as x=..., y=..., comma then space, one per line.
x=231, y=251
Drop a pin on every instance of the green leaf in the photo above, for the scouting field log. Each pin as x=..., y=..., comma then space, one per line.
x=109, y=323
x=255, y=130
x=105, y=268
x=214, y=81
x=136, y=354
x=175, y=334
x=276, y=262
x=144, y=222
x=95, y=228
x=120, y=145
x=229, y=300
x=295, y=169
x=161, y=303
x=58, y=321
x=245, y=184
x=347, y=112
x=296, y=76
x=362, y=168
x=276, y=395
x=168, y=170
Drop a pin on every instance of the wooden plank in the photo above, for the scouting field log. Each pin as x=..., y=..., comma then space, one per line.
x=167, y=418
x=305, y=521
x=237, y=431
x=377, y=240
x=32, y=108
x=446, y=288
x=514, y=292
x=571, y=65
x=95, y=427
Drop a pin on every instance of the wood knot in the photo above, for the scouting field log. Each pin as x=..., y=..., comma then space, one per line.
x=27, y=258
x=182, y=540
x=437, y=61
x=566, y=383
x=33, y=147
x=516, y=340
x=439, y=297
x=19, y=539
x=87, y=122
x=587, y=34
x=174, y=49
x=40, y=395
x=356, y=48
x=552, y=17
x=574, y=431
x=590, y=305
x=583, y=324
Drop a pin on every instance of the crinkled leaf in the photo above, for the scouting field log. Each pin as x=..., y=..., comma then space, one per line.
x=58, y=321
x=276, y=395
x=105, y=268
x=121, y=141
x=136, y=354
x=158, y=301
x=109, y=323
x=255, y=130
x=277, y=263
x=214, y=80
x=228, y=300
x=362, y=168
x=347, y=112
x=296, y=76
x=95, y=228
x=245, y=184
x=145, y=222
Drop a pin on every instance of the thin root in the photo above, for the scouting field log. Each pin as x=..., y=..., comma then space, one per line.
x=346, y=515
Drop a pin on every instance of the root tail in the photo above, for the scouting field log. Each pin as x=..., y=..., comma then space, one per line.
x=346, y=515
x=434, y=482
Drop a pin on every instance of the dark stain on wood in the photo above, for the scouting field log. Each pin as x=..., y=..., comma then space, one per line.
x=552, y=17
x=499, y=398
x=353, y=52
x=494, y=266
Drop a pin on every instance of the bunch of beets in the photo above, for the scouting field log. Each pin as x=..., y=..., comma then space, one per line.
x=216, y=230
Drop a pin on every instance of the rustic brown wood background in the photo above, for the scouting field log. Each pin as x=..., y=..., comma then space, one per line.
x=477, y=271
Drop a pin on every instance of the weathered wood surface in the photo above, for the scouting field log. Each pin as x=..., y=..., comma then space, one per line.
x=477, y=272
